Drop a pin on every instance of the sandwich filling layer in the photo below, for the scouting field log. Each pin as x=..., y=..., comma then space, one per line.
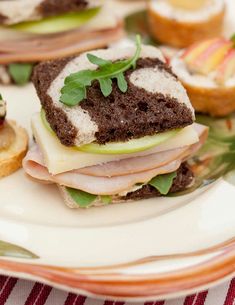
x=184, y=178
x=158, y=104
x=127, y=178
x=58, y=158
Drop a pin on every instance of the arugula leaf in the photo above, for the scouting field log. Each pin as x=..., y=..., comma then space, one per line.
x=106, y=86
x=106, y=199
x=98, y=61
x=20, y=73
x=75, y=85
x=1, y=97
x=73, y=95
x=83, y=199
x=163, y=183
x=122, y=83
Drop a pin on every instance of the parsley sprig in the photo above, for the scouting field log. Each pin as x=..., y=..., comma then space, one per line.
x=75, y=85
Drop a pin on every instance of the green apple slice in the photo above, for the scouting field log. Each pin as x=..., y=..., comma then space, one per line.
x=45, y=122
x=131, y=146
x=58, y=23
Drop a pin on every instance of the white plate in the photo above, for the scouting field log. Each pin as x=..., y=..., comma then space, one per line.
x=150, y=249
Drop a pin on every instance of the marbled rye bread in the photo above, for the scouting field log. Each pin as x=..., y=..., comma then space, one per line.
x=154, y=102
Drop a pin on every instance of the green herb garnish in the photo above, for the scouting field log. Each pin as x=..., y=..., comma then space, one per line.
x=163, y=183
x=74, y=90
x=20, y=73
x=83, y=199
x=1, y=97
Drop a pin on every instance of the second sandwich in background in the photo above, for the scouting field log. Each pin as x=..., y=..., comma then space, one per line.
x=34, y=31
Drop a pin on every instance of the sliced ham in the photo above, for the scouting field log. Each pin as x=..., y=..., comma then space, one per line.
x=133, y=165
x=96, y=185
x=113, y=185
x=114, y=177
x=45, y=47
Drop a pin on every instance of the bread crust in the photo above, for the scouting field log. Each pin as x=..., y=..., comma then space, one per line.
x=182, y=34
x=11, y=159
x=217, y=102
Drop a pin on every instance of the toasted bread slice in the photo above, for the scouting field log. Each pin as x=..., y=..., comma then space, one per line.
x=11, y=158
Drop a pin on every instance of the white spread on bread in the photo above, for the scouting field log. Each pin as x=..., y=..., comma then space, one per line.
x=164, y=8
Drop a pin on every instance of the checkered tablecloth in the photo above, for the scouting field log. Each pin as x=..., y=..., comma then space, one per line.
x=20, y=292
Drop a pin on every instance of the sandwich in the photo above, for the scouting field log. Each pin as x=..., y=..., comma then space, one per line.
x=207, y=71
x=179, y=23
x=33, y=31
x=13, y=143
x=116, y=125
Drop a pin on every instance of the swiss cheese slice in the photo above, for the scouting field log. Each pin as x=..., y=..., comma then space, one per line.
x=59, y=158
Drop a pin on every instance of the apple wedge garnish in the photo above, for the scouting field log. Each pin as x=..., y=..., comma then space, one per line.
x=188, y=4
x=191, y=53
x=209, y=60
x=226, y=69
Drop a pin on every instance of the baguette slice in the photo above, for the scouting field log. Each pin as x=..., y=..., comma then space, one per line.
x=11, y=159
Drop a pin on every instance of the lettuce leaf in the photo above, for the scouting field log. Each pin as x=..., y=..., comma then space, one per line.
x=83, y=199
x=20, y=72
x=163, y=183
